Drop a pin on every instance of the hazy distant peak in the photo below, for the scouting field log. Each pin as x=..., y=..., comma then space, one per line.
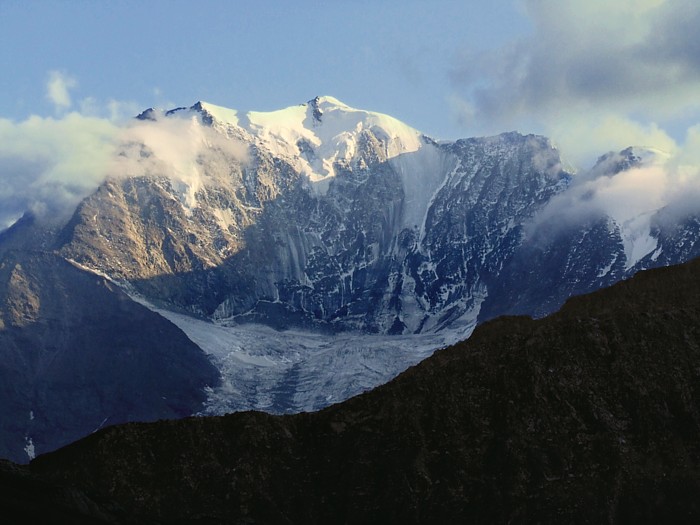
x=632, y=157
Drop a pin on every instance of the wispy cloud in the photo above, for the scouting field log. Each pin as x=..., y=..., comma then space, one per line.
x=58, y=89
x=661, y=190
x=47, y=165
x=174, y=147
x=599, y=76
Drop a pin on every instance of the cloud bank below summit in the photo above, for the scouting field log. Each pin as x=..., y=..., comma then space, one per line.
x=49, y=164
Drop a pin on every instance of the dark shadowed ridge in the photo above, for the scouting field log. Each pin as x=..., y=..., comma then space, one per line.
x=76, y=353
x=587, y=416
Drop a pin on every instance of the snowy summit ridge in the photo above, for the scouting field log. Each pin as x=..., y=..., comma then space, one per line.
x=319, y=136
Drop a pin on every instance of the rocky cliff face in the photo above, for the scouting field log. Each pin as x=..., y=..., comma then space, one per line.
x=401, y=238
x=589, y=415
x=325, y=217
x=566, y=256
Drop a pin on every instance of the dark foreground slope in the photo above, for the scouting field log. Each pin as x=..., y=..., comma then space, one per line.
x=589, y=416
x=29, y=499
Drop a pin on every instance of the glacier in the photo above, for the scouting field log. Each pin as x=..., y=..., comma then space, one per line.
x=295, y=370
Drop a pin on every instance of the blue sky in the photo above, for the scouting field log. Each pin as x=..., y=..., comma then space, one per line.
x=594, y=76
x=396, y=57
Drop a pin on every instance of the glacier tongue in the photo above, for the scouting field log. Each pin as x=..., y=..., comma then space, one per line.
x=294, y=371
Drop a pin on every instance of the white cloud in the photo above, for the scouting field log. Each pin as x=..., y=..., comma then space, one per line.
x=587, y=136
x=689, y=155
x=172, y=146
x=662, y=187
x=117, y=111
x=600, y=76
x=57, y=89
x=627, y=70
x=47, y=165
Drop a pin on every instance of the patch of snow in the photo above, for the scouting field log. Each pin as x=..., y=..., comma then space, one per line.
x=606, y=270
x=100, y=425
x=224, y=218
x=431, y=200
x=99, y=273
x=637, y=239
x=29, y=448
x=651, y=156
x=422, y=174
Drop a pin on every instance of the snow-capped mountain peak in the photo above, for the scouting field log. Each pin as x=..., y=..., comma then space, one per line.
x=223, y=214
x=614, y=162
x=629, y=194
x=649, y=156
x=325, y=133
x=318, y=136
